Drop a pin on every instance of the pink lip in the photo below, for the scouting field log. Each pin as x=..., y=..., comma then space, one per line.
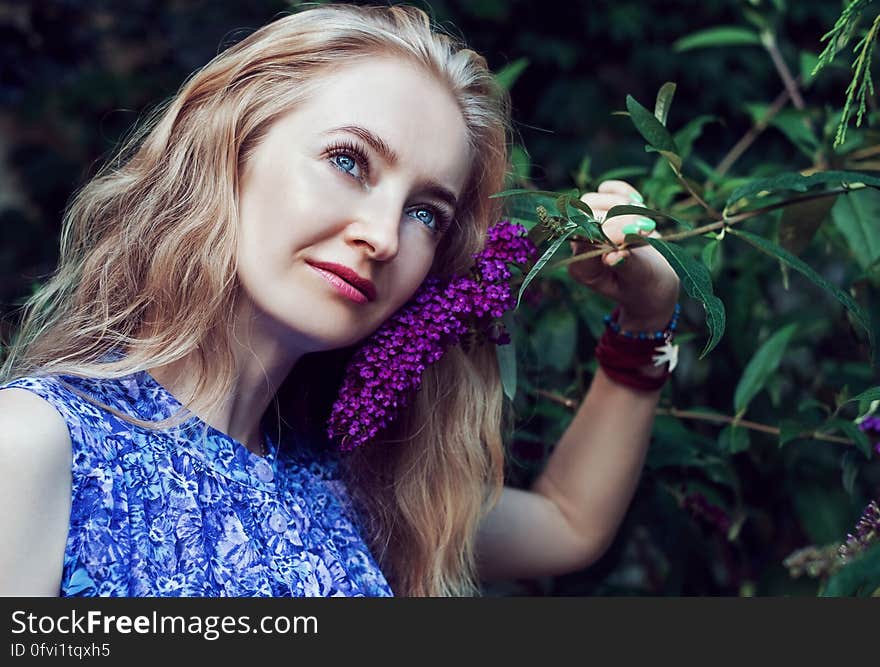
x=343, y=286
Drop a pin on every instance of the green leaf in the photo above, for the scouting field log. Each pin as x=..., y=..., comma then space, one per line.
x=506, y=355
x=508, y=74
x=520, y=163
x=857, y=216
x=582, y=207
x=697, y=283
x=621, y=173
x=659, y=216
x=872, y=394
x=859, y=577
x=649, y=127
x=823, y=510
x=807, y=62
x=554, y=338
x=761, y=366
x=801, y=221
x=734, y=439
x=523, y=192
x=789, y=430
x=672, y=158
x=664, y=101
x=712, y=257
x=853, y=432
x=849, y=469
x=794, y=181
x=770, y=248
x=794, y=124
x=719, y=36
x=687, y=135
x=539, y=234
x=582, y=175
x=542, y=261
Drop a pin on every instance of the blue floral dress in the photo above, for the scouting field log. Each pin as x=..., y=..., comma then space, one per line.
x=188, y=511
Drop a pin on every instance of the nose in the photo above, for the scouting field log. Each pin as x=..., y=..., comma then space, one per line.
x=376, y=228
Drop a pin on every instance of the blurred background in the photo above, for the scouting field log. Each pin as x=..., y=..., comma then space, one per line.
x=714, y=515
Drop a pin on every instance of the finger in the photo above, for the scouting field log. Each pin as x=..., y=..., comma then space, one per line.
x=602, y=202
x=619, y=226
x=585, y=270
x=621, y=188
x=616, y=258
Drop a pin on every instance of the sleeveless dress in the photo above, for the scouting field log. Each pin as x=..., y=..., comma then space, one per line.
x=188, y=511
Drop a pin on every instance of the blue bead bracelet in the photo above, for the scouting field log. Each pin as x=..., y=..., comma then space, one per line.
x=612, y=324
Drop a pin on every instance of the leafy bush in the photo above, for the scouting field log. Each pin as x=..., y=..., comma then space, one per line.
x=762, y=447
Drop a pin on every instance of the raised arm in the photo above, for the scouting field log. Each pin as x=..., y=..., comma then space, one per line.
x=569, y=516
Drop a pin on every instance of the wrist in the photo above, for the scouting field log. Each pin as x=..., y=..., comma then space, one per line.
x=638, y=352
x=644, y=322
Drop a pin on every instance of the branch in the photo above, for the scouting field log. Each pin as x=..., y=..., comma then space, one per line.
x=697, y=231
x=749, y=137
x=769, y=42
x=709, y=209
x=571, y=404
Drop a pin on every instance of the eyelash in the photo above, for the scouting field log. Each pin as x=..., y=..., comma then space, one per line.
x=345, y=147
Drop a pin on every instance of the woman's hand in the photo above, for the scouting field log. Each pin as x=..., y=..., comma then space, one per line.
x=639, y=279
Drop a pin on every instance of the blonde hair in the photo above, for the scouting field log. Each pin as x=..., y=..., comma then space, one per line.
x=153, y=235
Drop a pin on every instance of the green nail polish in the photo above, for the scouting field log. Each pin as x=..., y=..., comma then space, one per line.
x=646, y=224
x=631, y=228
x=620, y=260
x=636, y=198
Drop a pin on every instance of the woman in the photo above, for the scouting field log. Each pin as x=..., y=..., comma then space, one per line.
x=201, y=268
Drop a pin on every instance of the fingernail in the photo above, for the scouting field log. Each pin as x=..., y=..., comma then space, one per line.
x=636, y=198
x=621, y=260
x=631, y=228
x=646, y=224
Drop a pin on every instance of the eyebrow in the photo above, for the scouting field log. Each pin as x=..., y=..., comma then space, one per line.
x=430, y=186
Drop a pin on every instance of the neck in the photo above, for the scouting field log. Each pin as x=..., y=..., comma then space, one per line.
x=261, y=364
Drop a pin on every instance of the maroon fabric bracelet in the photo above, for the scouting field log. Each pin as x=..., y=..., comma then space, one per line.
x=620, y=358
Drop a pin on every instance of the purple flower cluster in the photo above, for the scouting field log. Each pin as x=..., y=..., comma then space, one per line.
x=866, y=533
x=387, y=369
x=871, y=425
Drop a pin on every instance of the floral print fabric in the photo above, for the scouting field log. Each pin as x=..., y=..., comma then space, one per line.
x=188, y=511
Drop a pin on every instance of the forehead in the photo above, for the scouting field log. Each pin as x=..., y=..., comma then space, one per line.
x=402, y=103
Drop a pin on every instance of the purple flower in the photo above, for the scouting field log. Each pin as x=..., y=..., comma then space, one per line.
x=867, y=532
x=387, y=369
x=870, y=424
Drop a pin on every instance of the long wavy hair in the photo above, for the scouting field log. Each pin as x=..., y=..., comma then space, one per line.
x=147, y=267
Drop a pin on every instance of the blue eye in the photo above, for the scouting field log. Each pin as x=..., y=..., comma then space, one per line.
x=434, y=219
x=350, y=159
x=425, y=215
x=346, y=163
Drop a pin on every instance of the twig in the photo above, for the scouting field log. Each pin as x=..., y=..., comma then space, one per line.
x=755, y=426
x=557, y=398
x=703, y=416
x=769, y=42
x=749, y=137
x=684, y=181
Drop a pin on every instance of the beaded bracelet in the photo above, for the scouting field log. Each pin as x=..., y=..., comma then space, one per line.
x=611, y=322
x=622, y=353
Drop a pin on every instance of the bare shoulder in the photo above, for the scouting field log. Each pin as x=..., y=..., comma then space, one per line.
x=23, y=413
x=35, y=487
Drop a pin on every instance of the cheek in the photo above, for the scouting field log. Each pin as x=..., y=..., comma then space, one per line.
x=410, y=276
